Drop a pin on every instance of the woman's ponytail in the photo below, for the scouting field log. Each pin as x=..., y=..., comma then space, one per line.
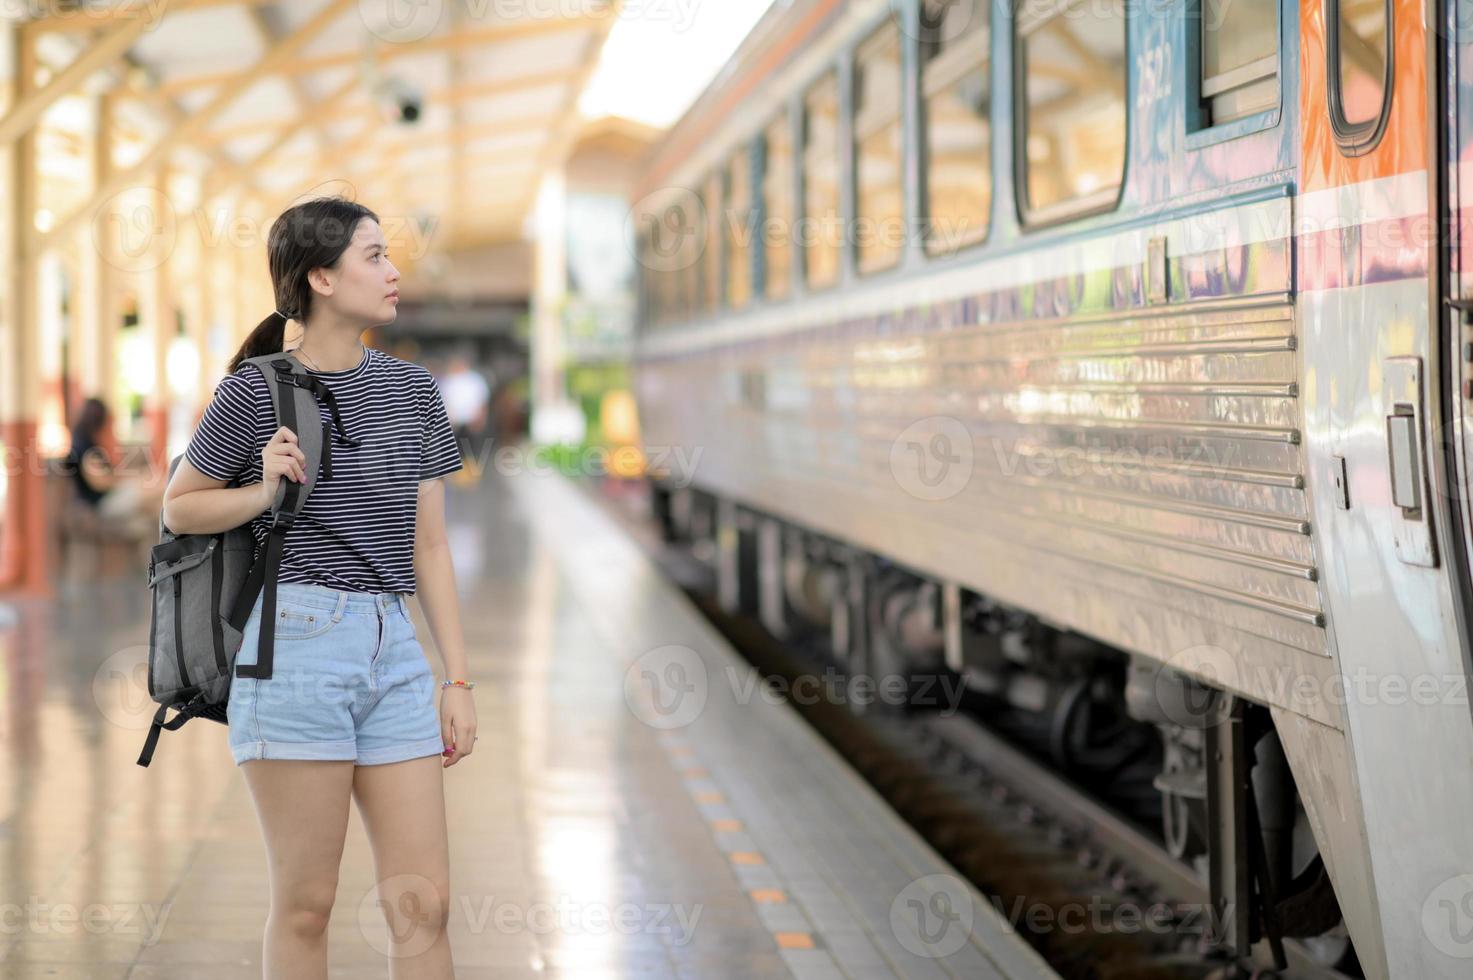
x=267, y=338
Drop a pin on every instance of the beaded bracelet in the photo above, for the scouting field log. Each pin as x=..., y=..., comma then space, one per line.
x=468, y=685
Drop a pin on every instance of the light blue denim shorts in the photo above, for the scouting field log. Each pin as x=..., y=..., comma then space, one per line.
x=349, y=681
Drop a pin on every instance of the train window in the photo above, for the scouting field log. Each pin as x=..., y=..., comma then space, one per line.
x=777, y=205
x=646, y=316
x=1240, y=58
x=691, y=239
x=878, y=149
x=670, y=292
x=954, y=66
x=737, y=218
x=1071, y=58
x=678, y=256
x=711, y=257
x=821, y=236
x=1358, y=40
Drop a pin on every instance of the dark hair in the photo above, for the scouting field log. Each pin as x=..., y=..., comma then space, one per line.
x=306, y=236
x=90, y=421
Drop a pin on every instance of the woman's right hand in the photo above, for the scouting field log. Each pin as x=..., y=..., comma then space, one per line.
x=282, y=457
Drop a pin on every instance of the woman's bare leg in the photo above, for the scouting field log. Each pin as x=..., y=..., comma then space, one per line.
x=303, y=809
x=402, y=805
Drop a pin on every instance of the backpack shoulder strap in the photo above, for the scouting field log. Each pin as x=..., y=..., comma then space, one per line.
x=294, y=395
x=294, y=400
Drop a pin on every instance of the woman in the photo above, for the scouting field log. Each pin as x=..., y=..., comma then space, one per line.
x=349, y=710
x=124, y=501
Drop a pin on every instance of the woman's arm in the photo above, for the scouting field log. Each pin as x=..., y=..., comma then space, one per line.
x=196, y=503
x=435, y=585
x=434, y=575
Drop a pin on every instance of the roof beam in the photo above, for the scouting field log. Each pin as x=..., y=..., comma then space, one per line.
x=214, y=185
x=441, y=137
x=109, y=48
x=283, y=51
x=492, y=127
x=269, y=36
x=451, y=95
x=388, y=50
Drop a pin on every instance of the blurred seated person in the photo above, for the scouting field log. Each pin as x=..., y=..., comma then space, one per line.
x=126, y=502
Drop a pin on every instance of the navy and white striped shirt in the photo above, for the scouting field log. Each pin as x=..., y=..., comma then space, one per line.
x=356, y=531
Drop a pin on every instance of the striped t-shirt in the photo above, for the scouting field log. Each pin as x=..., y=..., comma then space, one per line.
x=356, y=531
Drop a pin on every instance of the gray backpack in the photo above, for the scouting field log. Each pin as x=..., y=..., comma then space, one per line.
x=205, y=585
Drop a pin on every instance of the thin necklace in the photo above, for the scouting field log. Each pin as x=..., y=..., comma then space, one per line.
x=313, y=364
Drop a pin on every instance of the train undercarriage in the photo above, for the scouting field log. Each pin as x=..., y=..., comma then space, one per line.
x=1200, y=769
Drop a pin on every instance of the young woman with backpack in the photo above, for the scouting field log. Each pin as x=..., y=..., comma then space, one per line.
x=349, y=710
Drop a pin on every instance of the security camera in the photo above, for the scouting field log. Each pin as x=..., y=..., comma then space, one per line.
x=400, y=101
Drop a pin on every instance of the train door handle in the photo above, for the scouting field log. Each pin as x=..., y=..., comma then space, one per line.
x=1406, y=461
x=1403, y=460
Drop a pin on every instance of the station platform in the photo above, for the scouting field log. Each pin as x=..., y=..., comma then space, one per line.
x=635, y=807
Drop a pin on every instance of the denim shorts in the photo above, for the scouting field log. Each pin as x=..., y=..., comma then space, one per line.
x=349, y=681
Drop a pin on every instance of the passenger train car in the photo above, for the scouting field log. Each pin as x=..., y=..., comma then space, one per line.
x=1138, y=324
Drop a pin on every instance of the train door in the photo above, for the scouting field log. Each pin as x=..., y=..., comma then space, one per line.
x=1453, y=120
x=1382, y=119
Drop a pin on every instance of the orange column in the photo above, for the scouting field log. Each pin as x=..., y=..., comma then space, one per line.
x=24, y=548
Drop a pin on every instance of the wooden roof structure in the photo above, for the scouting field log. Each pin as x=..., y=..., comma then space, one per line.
x=281, y=98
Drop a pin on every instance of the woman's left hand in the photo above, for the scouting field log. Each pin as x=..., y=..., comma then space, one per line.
x=457, y=723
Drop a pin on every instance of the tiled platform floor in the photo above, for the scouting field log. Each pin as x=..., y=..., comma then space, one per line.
x=634, y=809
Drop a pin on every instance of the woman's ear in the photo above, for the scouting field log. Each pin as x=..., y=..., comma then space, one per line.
x=320, y=280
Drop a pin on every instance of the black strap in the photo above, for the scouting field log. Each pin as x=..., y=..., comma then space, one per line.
x=217, y=585
x=158, y=725
x=285, y=376
x=263, y=576
x=179, y=631
x=267, y=566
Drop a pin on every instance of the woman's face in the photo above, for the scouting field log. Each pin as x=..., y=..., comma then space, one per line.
x=364, y=284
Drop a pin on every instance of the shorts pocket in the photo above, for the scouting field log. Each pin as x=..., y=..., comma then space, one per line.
x=301, y=622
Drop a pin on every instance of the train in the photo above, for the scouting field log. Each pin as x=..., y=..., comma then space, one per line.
x=1113, y=356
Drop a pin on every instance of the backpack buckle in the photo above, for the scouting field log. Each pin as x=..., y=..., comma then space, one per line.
x=293, y=379
x=283, y=519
